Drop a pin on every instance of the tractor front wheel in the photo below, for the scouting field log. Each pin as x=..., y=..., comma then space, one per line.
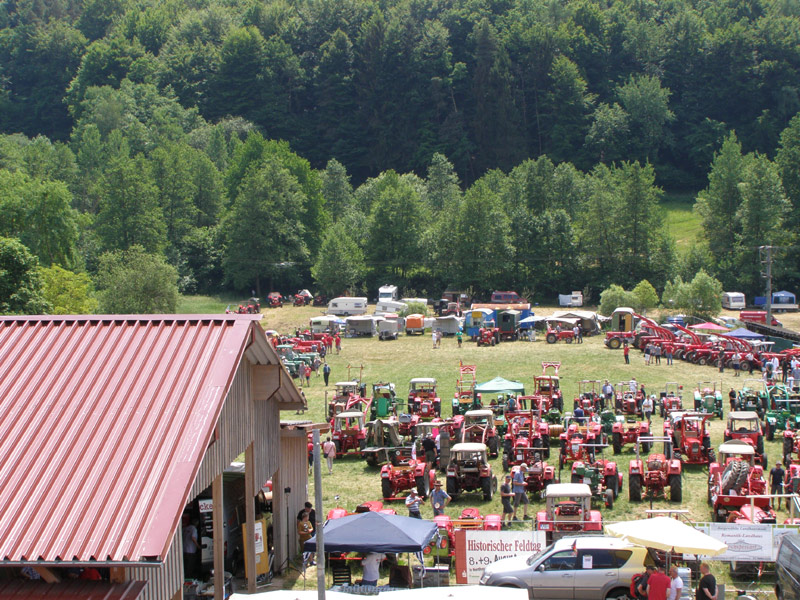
x=568, y=340
x=635, y=488
x=614, y=343
x=552, y=338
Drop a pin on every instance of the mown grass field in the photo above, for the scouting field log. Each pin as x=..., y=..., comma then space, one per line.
x=682, y=223
x=398, y=361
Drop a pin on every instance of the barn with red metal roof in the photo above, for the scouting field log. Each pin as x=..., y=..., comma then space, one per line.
x=111, y=425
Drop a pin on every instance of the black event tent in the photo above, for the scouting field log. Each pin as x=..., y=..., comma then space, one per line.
x=375, y=532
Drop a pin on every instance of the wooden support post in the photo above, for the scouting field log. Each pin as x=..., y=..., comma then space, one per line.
x=219, y=539
x=250, y=517
x=46, y=574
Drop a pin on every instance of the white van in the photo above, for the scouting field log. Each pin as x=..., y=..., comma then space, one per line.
x=387, y=292
x=733, y=301
x=348, y=305
x=385, y=307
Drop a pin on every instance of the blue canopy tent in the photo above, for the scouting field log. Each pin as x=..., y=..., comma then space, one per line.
x=375, y=532
x=745, y=334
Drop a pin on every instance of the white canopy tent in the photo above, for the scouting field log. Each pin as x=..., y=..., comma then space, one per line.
x=666, y=533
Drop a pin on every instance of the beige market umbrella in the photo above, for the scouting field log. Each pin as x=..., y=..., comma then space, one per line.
x=666, y=533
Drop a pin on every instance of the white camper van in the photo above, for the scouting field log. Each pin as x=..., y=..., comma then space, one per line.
x=387, y=292
x=733, y=301
x=385, y=307
x=347, y=305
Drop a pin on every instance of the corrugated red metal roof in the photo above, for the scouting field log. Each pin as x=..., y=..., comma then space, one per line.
x=104, y=421
x=71, y=590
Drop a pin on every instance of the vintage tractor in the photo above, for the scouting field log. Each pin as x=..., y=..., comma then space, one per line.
x=274, y=300
x=708, y=398
x=320, y=300
x=623, y=328
x=302, y=298
x=478, y=428
x=746, y=426
x=628, y=398
x=555, y=335
x=753, y=396
x=657, y=474
x=628, y=431
x=442, y=546
x=538, y=476
x=671, y=399
x=547, y=385
x=343, y=395
x=691, y=438
x=469, y=470
x=407, y=424
x=791, y=445
x=349, y=432
x=602, y=477
x=791, y=485
x=578, y=441
x=422, y=398
x=382, y=441
x=527, y=439
x=589, y=397
x=785, y=413
x=404, y=472
x=251, y=307
x=384, y=401
x=735, y=478
x=488, y=335
x=568, y=509
x=465, y=397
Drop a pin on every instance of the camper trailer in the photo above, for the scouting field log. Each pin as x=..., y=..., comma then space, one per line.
x=346, y=305
x=574, y=299
x=733, y=300
x=387, y=292
x=385, y=307
x=362, y=326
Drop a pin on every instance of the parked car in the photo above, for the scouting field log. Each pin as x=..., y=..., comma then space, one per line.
x=559, y=571
x=787, y=569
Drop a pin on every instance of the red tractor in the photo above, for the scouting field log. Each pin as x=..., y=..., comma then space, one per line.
x=557, y=334
x=469, y=470
x=343, y=395
x=488, y=335
x=527, y=440
x=478, y=428
x=629, y=398
x=274, y=300
x=568, y=509
x=671, y=399
x=578, y=441
x=349, y=432
x=404, y=473
x=655, y=475
x=691, y=438
x=422, y=398
x=320, y=300
x=629, y=431
x=746, y=426
x=547, y=386
x=733, y=480
x=251, y=307
x=538, y=476
x=589, y=397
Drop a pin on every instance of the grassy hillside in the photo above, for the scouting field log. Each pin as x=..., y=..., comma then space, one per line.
x=683, y=223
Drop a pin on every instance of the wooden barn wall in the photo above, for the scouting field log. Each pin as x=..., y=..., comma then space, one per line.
x=166, y=580
x=236, y=429
x=293, y=474
x=266, y=449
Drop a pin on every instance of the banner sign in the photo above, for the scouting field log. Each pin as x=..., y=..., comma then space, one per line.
x=747, y=542
x=475, y=549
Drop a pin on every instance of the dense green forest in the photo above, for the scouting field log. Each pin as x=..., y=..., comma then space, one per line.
x=338, y=144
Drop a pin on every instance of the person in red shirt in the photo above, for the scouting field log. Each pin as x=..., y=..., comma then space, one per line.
x=308, y=375
x=658, y=585
x=625, y=352
x=338, y=341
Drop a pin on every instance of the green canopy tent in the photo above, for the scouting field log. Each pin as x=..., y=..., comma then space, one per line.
x=498, y=385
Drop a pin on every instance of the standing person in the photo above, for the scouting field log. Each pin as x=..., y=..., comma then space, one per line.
x=633, y=385
x=647, y=408
x=657, y=585
x=657, y=350
x=776, y=477
x=641, y=585
x=338, y=343
x=329, y=450
x=647, y=350
x=676, y=585
x=796, y=373
x=191, y=548
x=433, y=337
x=307, y=374
x=439, y=499
x=312, y=515
x=625, y=351
x=668, y=353
x=412, y=504
x=520, y=491
x=736, y=360
x=326, y=373
x=721, y=361
x=429, y=446
x=459, y=337
x=732, y=398
x=371, y=564
x=707, y=588
x=304, y=534
x=506, y=495
x=608, y=394
x=784, y=370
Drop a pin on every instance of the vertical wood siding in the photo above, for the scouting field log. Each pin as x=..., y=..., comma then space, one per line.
x=165, y=580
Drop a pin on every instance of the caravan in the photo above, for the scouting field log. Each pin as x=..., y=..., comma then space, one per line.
x=347, y=305
x=385, y=307
x=387, y=292
x=733, y=301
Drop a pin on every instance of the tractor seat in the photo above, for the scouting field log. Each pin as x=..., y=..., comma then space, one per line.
x=568, y=509
x=470, y=464
x=743, y=430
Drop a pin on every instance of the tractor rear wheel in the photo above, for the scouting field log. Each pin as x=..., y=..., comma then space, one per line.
x=492, y=447
x=486, y=488
x=452, y=488
x=635, y=488
x=608, y=496
x=614, y=343
x=423, y=486
x=386, y=488
x=730, y=476
x=788, y=445
x=675, y=489
x=617, y=442
x=612, y=483
x=646, y=446
x=552, y=338
x=505, y=463
x=770, y=431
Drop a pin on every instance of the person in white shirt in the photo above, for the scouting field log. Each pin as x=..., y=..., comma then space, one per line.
x=647, y=408
x=633, y=386
x=676, y=587
x=371, y=564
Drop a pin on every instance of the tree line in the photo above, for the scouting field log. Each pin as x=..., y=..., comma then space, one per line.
x=342, y=144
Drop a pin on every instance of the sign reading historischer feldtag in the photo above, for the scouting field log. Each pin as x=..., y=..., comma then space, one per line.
x=476, y=549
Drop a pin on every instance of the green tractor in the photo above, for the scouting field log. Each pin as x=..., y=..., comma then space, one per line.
x=607, y=420
x=708, y=398
x=602, y=477
x=753, y=396
x=384, y=401
x=786, y=414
